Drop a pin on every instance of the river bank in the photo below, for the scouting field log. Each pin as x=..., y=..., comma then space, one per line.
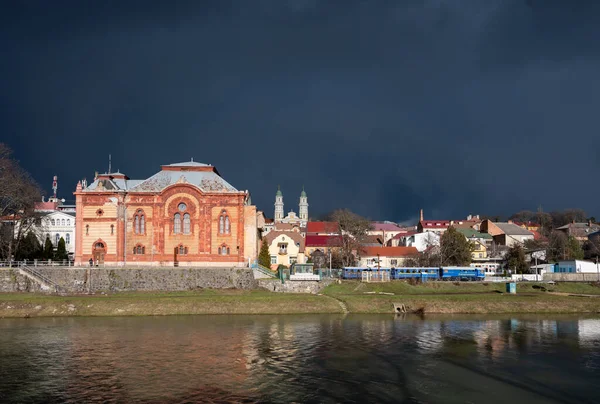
x=347, y=297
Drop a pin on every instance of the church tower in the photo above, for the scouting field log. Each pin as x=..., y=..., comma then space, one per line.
x=303, y=207
x=278, y=205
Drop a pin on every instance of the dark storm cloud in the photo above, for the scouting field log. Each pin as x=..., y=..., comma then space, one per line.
x=385, y=107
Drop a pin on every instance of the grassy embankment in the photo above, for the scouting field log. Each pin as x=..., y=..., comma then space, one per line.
x=449, y=297
x=433, y=297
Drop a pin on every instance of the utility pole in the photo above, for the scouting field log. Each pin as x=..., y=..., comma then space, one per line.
x=597, y=269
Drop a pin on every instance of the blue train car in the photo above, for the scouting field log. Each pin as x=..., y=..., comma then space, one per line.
x=461, y=274
x=422, y=273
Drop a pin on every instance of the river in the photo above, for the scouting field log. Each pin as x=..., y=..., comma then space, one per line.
x=330, y=358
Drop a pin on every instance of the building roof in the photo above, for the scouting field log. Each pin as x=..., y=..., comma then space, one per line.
x=367, y=251
x=379, y=226
x=580, y=229
x=472, y=233
x=285, y=226
x=278, y=193
x=323, y=227
x=295, y=236
x=45, y=206
x=434, y=224
x=323, y=241
x=203, y=176
x=191, y=163
x=407, y=234
x=512, y=229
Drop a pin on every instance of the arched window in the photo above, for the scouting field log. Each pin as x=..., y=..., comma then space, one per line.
x=183, y=250
x=139, y=222
x=186, y=223
x=68, y=222
x=62, y=222
x=224, y=224
x=99, y=245
x=139, y=250
x=112, y=229
x=224, y=250
x=68, y=238
x=56, y=238
x=87, y=229
x=52, y=221
x=177, y=223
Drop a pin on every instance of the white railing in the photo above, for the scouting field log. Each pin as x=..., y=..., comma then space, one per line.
x=375, y=276
x=36, y=263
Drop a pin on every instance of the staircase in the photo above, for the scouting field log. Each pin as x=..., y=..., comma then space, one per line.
x=266, y=272
x=39, y=278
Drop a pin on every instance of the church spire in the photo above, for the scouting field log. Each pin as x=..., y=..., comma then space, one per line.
x=278, y=205
x=303, y=207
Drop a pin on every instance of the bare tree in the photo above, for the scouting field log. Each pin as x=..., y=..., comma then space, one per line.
x=18, y=194
x=354, y=230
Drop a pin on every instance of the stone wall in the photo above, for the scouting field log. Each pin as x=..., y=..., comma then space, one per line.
x=83, y=280
x=12, y=281
x=275, y=285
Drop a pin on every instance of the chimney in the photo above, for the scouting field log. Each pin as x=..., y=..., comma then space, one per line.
x=421, y=216
x=589, y=222
x=510, y=221
x=469, y=217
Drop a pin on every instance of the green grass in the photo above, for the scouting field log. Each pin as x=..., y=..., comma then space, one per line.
x=139, y=303
x=431, y=288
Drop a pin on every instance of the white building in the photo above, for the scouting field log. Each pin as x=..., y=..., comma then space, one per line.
x=576, y=266
x=421, y=241
x=56, y=225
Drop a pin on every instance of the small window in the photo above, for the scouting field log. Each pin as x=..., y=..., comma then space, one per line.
x=182, y=207
x=99, y=212
x=273, y=259
x=62, y=222
x=224, y=223
x=52, y=221
x=183, y=250
x=68, y=238
x=68, y=222
x=57, y=238
x=87, y=229
x=139, y=250
x=112, y=229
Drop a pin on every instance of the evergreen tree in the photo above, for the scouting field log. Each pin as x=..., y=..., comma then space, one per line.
x=264, y=258
x=574, y=250
x=48, y=252
x=61, y=250
x=516, y=259
x=455, y=248
x=29, y=248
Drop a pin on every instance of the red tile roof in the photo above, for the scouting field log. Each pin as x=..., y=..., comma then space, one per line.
x=389, y=251
x=385, y=227
x=322, y=227
x=323, y=241
x=408, y=233
x=435, y=224
x=45, y=205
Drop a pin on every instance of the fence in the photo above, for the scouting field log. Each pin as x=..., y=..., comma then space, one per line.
x=572, y=277
x=36, y=263
x=375, y=276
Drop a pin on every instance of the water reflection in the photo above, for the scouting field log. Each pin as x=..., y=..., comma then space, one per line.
x=300, y=359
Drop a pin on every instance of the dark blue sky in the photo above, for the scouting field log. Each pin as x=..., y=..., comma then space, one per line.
x=384, y=107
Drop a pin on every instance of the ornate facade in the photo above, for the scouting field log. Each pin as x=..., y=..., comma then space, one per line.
x=185, y=215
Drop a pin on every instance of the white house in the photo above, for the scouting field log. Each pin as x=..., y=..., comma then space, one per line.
x=576, y=266
x=385, y=257
x=421, y=241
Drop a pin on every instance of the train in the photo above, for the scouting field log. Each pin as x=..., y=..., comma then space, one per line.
x=422, y=273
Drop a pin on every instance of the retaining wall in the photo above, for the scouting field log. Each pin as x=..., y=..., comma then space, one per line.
x=275, y=285
x=12, y=281
x=84, y=280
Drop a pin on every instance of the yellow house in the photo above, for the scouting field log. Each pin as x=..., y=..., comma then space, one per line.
x=480, y=241
x=285, y=248
x=479, y=250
